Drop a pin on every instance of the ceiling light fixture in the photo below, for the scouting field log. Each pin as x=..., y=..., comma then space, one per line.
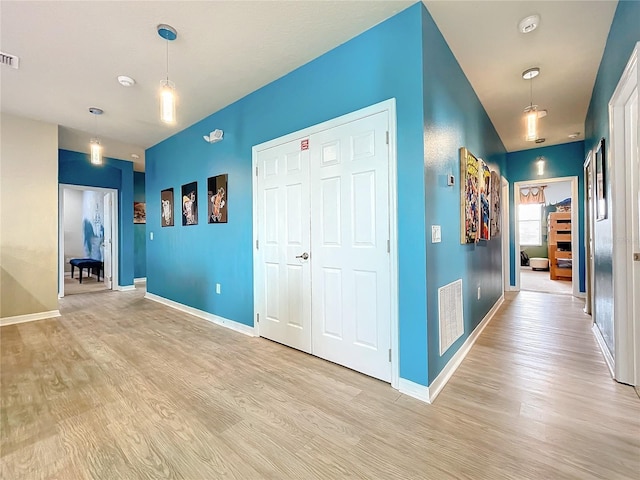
x=135, y=156
x=529, y=24
x=541, y=140
x=214, y=136
x=531, y=112
x=126, y=81
x=540, y=165
x=167, y=88
x=96, y=148
x=574, y=135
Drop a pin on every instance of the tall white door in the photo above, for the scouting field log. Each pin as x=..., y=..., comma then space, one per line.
x=284, y=273
x=322, y=259
x=632, y=127
x=350, y=234
x=107, y=250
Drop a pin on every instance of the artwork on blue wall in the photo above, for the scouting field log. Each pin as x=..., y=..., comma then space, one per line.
x=495, y=204
x=190, y=204
x=217, y=194
x=166, y=203
x=485, y=195
x=469, y=210
x=139, y=212
x=601, y=199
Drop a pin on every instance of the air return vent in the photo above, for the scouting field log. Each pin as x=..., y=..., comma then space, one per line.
x=450, y=314
x=9, y=60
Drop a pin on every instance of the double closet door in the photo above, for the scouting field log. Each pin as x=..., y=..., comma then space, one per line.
x=322, y=251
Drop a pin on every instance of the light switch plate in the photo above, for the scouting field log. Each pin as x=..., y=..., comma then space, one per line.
x=436, y=236
x=150, y=235
x=451, y=180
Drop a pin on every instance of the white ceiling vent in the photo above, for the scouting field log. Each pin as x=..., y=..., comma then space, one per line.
x=9, y=60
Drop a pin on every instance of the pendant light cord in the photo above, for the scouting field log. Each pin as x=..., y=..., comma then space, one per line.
x=167, y=41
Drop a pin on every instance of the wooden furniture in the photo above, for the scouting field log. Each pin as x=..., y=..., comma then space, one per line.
x=559, y=240
x=93, y=266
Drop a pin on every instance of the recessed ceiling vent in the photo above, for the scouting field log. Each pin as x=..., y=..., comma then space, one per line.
x=9, y=60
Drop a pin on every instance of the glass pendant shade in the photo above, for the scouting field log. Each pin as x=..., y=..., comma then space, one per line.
x=531, y=120
x=96, y=152
x=167, y=102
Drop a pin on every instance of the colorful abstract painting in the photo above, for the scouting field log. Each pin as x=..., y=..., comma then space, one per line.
x=469, y=190
x=218, y=197
x=495, y=204
x=166, y=207
x=190, y=204
x=484, y=180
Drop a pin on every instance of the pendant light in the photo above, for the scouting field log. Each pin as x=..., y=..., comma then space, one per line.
x=167, y=88
x=96, y=147
x=531, y=113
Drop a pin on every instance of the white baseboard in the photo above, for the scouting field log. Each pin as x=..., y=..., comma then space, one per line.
x=139, y=280
x=429, y=394
x=414, y=390
x=581, y=295
x=608, y=358
x=125, y=288
x=210, y=317
x=30, y=317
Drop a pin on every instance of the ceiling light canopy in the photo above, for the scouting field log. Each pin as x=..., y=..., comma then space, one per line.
x=167, y=88
x=96, y=147
x=529, y=24
x=531, y=73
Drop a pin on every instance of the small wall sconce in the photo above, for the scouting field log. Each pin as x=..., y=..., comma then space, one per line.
x=214, y=136
x=540, y=165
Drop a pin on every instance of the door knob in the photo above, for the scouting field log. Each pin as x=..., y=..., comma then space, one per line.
x=304, y=256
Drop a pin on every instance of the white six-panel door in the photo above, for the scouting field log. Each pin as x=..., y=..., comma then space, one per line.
x=350, y=261
x=327, y=196
x=283, y=222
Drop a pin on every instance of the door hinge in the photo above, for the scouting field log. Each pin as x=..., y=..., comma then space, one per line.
x=636, y=257
x=257, y=318
x=389, y=354
x=388, y=246
x=257, y=244
x=387, y=137
x=256, y=171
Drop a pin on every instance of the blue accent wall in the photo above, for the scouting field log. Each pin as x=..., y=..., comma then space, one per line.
x=76, y=169
x=623, y=35
x=139, y=230
x=565, y=160
x=454, y=117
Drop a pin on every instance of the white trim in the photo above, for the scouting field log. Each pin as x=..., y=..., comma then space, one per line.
x=210, y=317
x=30, y=317
x=140, y=280
x=114, y=236
x=452, y=365
x=621, y=221
x=575, y=220
x=414, y=390
x=388, y=106
x=608, y=359
x=506, y=257
x=124, y=288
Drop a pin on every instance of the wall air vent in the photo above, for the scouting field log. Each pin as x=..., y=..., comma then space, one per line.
x=450, y=317
x=9, y=60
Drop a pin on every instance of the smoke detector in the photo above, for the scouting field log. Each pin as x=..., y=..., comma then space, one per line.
x=126, y=81
x=529, y=24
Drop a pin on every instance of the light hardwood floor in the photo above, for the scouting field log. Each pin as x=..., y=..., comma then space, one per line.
x=120, y=387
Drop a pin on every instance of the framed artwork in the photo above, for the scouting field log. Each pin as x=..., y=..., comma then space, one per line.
x=190, y=204
x=139, y=212
x=217, y=196
x=485, y=202
x=600, y=182
x=469, y=189
x=166, y=207
x=495, y=204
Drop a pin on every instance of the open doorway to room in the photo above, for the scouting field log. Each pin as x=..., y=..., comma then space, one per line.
x=547, y=235
x=88, y=247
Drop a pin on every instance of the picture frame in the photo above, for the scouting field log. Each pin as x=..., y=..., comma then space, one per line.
x=190, y=204
x=217, y=196
x=600, y=184
x=166, y=207
x=469, y=197
x=139, y=212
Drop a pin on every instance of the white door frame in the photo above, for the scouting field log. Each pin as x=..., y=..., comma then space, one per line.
x=506, y=257
x=575, y=264
x=388, y=106
x=625, y=332
x=589, y=283
x=114, y=230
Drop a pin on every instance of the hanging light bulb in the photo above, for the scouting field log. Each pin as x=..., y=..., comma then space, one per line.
x=167, y=88
x=540, y=165
x=96, y=147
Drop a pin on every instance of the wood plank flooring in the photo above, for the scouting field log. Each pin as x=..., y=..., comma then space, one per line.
x=120, y=387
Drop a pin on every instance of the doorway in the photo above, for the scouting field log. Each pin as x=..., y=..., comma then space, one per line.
x=624, y=132
x=546, y=235
x=324, y=213
x=88, y=247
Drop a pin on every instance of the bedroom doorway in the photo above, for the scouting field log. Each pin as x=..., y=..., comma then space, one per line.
x=546, y=235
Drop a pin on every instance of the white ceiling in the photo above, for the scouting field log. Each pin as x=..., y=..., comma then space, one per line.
x=71, y=53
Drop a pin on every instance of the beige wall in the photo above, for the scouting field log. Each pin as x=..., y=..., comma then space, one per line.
x=28, y=216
